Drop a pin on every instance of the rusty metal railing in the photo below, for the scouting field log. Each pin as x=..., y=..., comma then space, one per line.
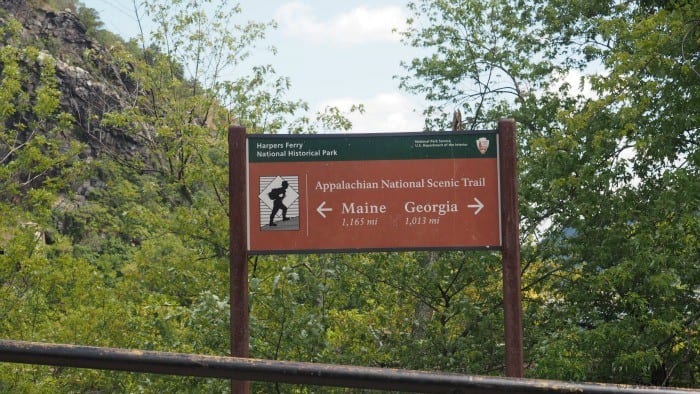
x=244, y=369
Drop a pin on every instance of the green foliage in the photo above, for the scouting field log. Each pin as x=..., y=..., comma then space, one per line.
x=609, y=189
x=136, y=245
x=129, y=248
x=31, y=121
x=362, y=309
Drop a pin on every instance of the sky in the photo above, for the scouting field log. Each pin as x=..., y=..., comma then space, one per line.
x=335, y=53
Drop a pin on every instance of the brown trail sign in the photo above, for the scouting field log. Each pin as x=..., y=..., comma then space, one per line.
x=374, y=192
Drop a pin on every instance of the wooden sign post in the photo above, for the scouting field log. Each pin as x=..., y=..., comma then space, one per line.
x=238, y=253
x=510, y=249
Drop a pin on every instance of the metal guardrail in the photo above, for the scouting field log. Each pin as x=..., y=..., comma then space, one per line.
x=295, y=372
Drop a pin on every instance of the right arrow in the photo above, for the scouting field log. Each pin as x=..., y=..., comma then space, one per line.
x=479, y=205
x=321, y=209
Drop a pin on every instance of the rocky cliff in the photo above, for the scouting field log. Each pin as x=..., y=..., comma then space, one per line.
x=90, y=80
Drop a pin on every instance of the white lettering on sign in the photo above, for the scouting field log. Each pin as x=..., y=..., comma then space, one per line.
x=469, y=182
x=428, y=207
x=353, y=208
x=447, y=183
x=294, y=145
x=263, y=145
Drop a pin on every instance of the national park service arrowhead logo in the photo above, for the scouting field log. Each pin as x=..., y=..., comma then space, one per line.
x=483, y=145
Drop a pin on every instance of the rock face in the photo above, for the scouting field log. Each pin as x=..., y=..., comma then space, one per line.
x=89, y=79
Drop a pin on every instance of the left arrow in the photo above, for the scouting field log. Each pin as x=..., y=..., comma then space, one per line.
x=321, y=209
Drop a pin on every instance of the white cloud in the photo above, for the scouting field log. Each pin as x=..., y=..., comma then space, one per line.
x=385, y=112
x=358, y=25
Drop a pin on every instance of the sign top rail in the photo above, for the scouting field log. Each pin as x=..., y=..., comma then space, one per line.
x=375, y=146
x=376, y=134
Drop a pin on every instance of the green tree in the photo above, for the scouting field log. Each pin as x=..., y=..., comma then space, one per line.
x=140, y=259
x=33, y=156
x=608, y=175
